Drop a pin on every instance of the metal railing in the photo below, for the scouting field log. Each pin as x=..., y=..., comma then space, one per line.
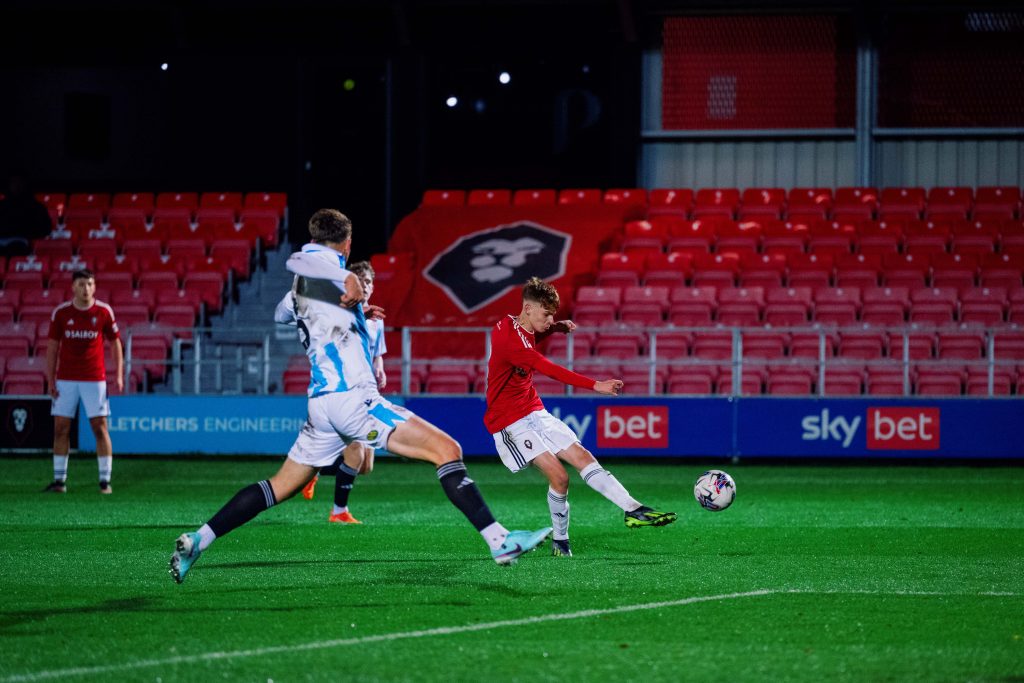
x=202, y=360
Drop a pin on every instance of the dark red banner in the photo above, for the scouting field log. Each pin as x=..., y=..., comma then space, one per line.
x=470, y=263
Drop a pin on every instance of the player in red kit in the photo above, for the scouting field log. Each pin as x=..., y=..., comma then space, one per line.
x=75, y=371
x=525, y=433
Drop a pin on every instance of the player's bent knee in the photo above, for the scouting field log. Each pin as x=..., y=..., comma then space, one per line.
x=448, y=450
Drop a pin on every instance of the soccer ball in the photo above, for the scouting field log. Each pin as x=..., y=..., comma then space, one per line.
x=715, y=490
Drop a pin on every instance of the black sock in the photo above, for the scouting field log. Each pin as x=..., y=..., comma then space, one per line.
x=464, y=494
x=247, y=503
x=343, y=481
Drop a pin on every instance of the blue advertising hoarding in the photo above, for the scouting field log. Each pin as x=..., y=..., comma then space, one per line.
x=712, y=426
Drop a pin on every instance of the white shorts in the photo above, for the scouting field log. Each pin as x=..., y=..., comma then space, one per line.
x=93, y=396
x=525, y=439
x=337, y=419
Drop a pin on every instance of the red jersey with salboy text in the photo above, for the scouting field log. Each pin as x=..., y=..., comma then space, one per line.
x=81, y=334
x=511, y=395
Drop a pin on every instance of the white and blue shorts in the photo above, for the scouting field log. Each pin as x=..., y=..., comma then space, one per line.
x=337, y=419
x=526, y=438
x=93, y=396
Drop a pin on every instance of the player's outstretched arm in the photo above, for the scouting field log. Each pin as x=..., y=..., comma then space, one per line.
x=608, y=387
x=373, y=312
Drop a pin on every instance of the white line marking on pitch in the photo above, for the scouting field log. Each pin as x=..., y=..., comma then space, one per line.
x=445, y=630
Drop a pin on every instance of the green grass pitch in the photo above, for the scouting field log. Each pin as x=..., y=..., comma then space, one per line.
x=854, y=573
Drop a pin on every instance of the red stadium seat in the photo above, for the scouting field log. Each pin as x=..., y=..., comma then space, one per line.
x=209, y=286
x=836, y=305
x=88, y=200
x=764, y=344
x=177, y=200
x=975, y=237
x=857, y=270
x=907, y=202
x=255, y=223
x=925, y=237
x=620, y=345
x=884, y=305
x=179, y=319
x=222, y=200
x=171, y=222
x=740, y=305
x=784, y=237
x=692, y=306
x=718, y=270
x=619, y=270
x=865, y=344
x=1001, y=270
x=23, y=280
x=905, y=270
x=55, y=201
x=533, y=198
x=712, y=346
x=751, y=382
x=879, y=237
x=130, y=223
x=954, y=270
x=856, y=201
x=136, y=201
x=810, y=202
x=132, y=297
x=626, y=196
x=786, y=382
x=808, y=344
x=663, y=201
x=762, y=270
x=691, y=380
x=833, y=237
x=444, y=198
x=983, y=305
x=738, y=238
x=693, y=237
x=935, y=305
x=809, y=270
x=763, y=201
x=885, y=380
x=237, y=254
x=950, y=201
x=272, y=201
x=158, y=280
x=494, y=197
x=961, y=345
x=997, y=202
x=978, y=381
x=938, y=380
x=843, y=379
x=1009, y=344
x=717, y=202
x=788, y=306
x=644, y=305
x=596, y=305
x=580, y=196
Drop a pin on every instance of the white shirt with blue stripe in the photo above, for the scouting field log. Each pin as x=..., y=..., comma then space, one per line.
x=337, y=339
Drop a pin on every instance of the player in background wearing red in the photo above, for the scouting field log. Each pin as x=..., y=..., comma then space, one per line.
x=75, y=371
x=525, y=433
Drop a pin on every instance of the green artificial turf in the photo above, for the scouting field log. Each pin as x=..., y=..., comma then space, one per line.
x=889, y=573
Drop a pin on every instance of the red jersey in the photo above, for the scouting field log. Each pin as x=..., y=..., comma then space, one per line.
x=511, y=395
x=81, y=334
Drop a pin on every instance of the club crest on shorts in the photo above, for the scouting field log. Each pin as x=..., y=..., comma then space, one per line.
x=481, y=267
x=372, y=435
x=528, y=444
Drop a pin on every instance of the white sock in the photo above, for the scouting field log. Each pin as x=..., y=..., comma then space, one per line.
x=558, y=504
x=608, y=486
x=494, y=534
x=206, y=537
x=60, y=467
x=339, y=510
x=105, y=464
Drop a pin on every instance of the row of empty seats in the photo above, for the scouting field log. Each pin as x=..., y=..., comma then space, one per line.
x=655, y=306
x=961, y=271
x=149, y=202
x=799, y=202
x=818, y=236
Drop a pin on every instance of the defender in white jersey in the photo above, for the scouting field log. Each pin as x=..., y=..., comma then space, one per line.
x=345, y=406
x=357, y=458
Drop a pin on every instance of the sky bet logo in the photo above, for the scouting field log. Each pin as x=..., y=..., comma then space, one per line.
x=888, y=429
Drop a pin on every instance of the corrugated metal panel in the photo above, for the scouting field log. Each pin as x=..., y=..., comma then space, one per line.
x=950, y=162
x=747, y=164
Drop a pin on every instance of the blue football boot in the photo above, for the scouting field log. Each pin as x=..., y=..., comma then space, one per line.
x=186, y=552
x=518, y=543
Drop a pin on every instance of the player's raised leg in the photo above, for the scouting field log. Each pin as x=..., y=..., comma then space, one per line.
x=558, y=501
x=417, y=438
x=601, y=480
x=244, y=506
